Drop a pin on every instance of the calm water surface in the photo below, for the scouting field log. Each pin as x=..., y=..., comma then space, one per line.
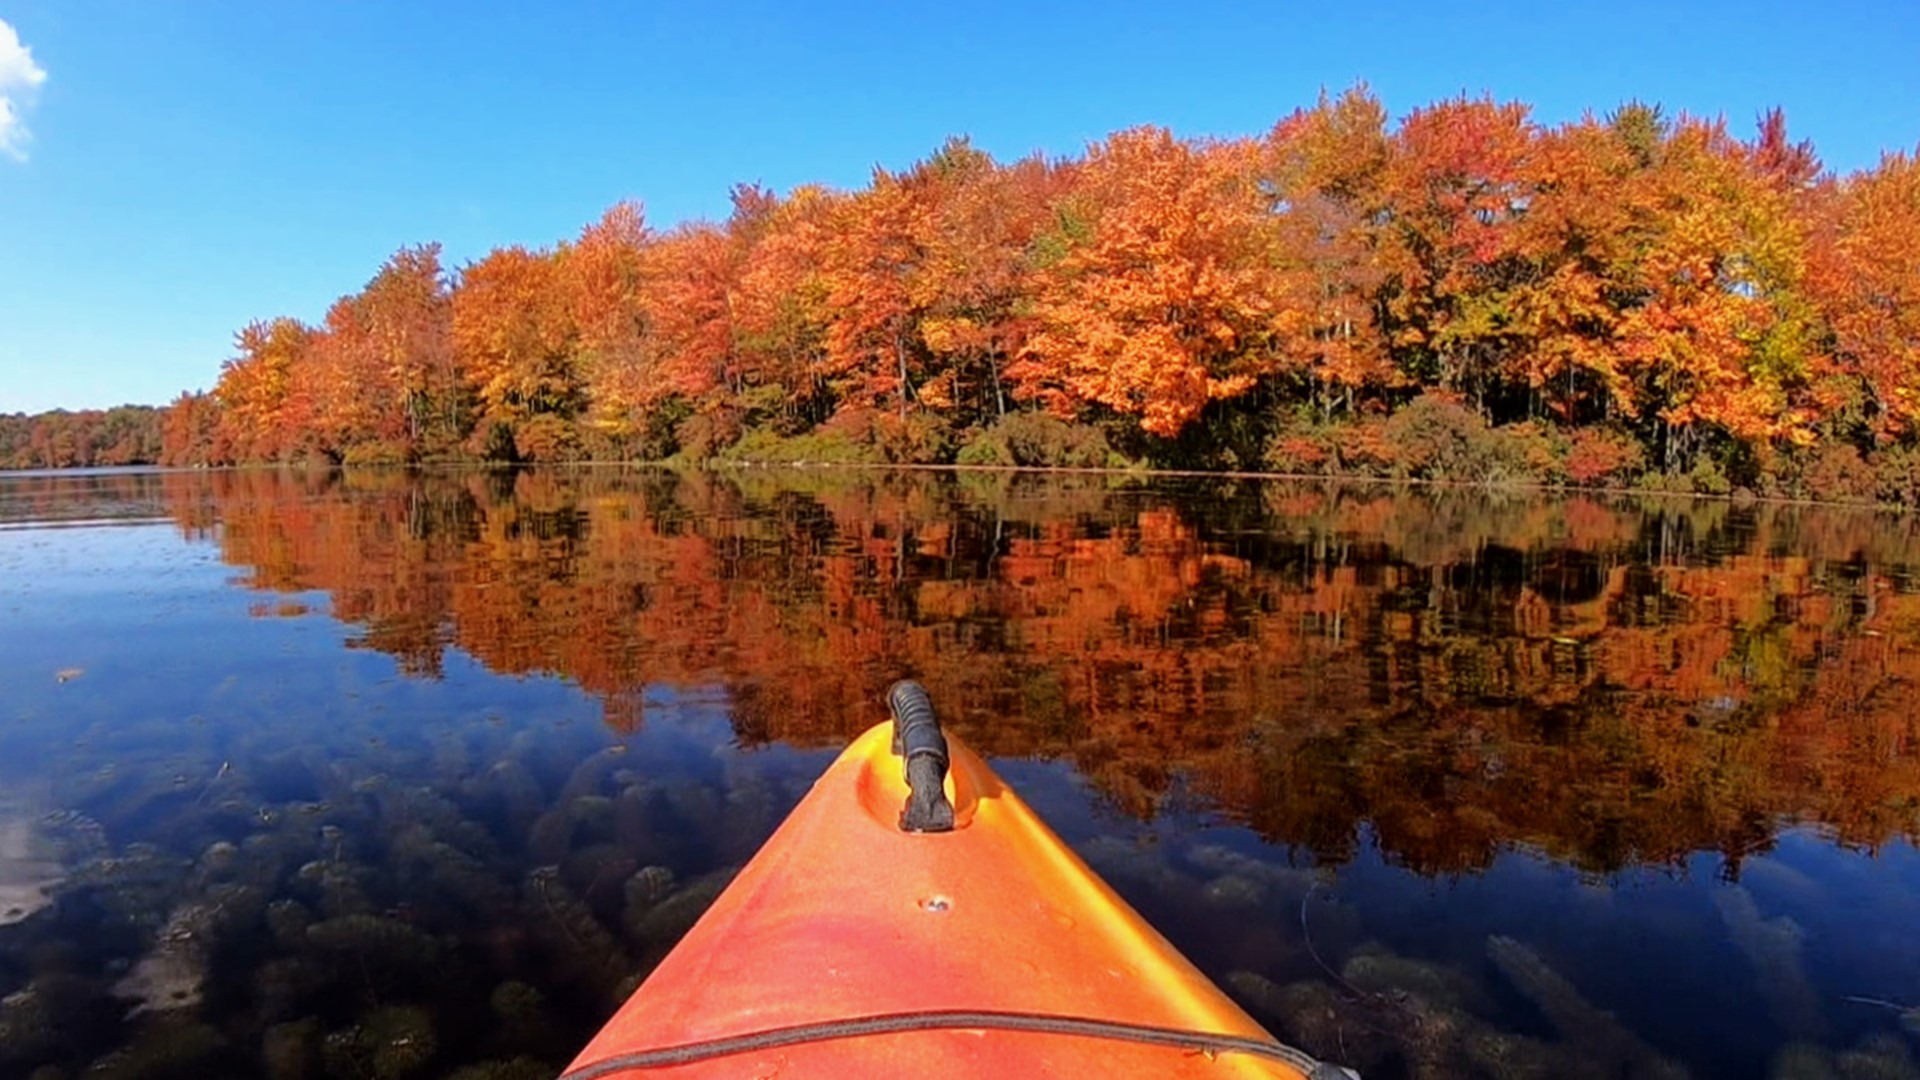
x=306, y=775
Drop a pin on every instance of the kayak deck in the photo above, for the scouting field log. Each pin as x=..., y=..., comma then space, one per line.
x=849, y=947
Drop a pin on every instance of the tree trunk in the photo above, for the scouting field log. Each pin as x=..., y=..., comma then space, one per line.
x=900, y=358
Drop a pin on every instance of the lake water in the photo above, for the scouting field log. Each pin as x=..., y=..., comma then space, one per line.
x=375, y=776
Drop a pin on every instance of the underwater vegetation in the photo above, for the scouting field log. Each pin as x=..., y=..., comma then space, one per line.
x=1306, y=964
x=27, y=874
x=1604, y=1043
x=1773, y=947
x=471, y=904
x=472, y=898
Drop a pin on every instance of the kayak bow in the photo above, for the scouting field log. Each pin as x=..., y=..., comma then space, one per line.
x=923, y=921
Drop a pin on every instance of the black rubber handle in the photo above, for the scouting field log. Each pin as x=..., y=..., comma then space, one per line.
x=917, y=739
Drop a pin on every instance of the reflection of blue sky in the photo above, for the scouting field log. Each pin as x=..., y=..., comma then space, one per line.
x=61, y=564
x=145, y=619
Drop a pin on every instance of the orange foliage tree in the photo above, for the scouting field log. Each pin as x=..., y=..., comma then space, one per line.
x=514, y=337
x=1324, y=174
x=1154, y=295
x=782, y=300
x=1866, y=275
x=265, y=392
x=609, y=275
x=1456, y=184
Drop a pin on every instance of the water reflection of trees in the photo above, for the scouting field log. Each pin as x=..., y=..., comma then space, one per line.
x=69, y=495
x=1612, y=683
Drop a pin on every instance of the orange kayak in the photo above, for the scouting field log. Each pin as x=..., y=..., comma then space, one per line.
x=932, y=927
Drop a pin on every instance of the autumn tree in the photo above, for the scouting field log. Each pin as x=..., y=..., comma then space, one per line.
x=1866, y=276
x=409, y=316
x=609, y=274
x=1590, y=216
x=1712, y=336
x=1455, y=185
x=266, y=406
x=692, y=309
x=872, y=355
x=516, y=342
x=1323, y=171
x=189, y=432
x=782, y=302
x=1154, y=295
x=968, y=290
x=383, y=382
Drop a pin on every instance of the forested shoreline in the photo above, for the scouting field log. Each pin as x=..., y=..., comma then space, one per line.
x=1464, y=294
x=83, y=438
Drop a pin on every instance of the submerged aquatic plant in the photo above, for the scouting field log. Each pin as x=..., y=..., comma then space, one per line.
x=585, y=952
x=28, y=1025
x=520, y=1068
x=29, y=870
x=389, y=1043
x=1773, y=947
x=1881, y=1055
x=378, y=941
x=1597, y=1035
x=1909, y=1014
x=172, y=975
x=664, y=922
x=163, y=1045
x=291, y=1050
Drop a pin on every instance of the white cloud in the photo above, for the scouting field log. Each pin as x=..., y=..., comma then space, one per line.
x=20, y=77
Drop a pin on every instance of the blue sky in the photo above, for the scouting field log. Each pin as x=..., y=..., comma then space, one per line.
x=195, y=164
